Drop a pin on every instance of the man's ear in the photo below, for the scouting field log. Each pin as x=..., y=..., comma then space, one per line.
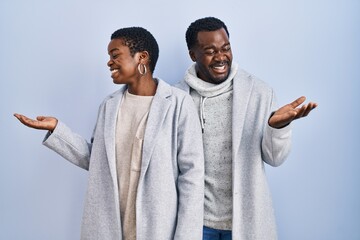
x=192, y=55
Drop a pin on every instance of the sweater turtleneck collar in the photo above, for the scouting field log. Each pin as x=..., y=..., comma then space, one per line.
x=206, y=89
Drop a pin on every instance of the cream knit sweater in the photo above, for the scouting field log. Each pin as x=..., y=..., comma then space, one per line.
x=130, y=127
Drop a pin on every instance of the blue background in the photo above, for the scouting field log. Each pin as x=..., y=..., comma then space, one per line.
x=53, y=62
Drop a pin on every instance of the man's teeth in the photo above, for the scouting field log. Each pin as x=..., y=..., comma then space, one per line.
x=219, y=67
x=114, y=71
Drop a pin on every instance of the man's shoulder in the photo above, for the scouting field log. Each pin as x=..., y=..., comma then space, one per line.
x=256, y=82
x=182, y=85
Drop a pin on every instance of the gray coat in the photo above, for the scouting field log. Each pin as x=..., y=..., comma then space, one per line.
x=253, y=143
x=169, y=202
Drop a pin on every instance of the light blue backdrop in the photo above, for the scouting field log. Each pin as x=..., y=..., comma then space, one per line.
x=53, y=62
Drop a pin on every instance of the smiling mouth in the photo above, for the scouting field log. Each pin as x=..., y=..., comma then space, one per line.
x=220, y=67
x=113, y=71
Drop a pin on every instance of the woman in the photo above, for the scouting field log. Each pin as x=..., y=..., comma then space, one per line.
x=145, y=158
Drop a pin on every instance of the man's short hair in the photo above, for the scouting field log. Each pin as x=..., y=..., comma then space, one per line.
x=206, y=24
x=138, y=39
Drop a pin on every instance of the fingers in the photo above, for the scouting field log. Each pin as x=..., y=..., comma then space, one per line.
x=18, y=116
x=300, y=111
x=25, y=120
x=286, y=114
x=298, y=102
x=306, y=109
x=21, y=118
x=29, y=122
x=41, y=122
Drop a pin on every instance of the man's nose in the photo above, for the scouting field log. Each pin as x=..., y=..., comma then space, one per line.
x=220, y=56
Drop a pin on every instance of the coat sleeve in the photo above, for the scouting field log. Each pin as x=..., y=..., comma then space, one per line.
x=70, y=145
x=276, y=143
x=191, y=174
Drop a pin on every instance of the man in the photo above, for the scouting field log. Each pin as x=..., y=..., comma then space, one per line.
x=241, y=131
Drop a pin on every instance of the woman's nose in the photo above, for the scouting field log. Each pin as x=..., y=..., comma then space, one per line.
x=109, y=63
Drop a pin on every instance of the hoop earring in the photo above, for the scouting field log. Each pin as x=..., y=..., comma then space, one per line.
x=139, y=69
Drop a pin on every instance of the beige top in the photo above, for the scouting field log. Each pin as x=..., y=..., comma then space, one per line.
x=130, y=128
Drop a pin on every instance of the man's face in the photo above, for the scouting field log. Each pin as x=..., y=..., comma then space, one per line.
x=212, y=55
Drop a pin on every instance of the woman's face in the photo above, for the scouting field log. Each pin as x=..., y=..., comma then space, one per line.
x=122, y=65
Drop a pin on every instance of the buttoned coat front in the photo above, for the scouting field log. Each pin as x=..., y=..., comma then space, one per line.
x=254, y=143
x=169, y=202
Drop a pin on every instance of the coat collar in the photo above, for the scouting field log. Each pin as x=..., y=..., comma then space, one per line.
x=111, y=111
x=158, y=110
x=243, y=84
x=242, y=87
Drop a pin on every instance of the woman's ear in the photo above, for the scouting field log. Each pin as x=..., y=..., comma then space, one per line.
x=144, y=57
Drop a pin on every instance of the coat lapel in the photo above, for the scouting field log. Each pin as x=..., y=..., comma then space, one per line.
x=243, y=84
x=111, y=111
x=158, y=110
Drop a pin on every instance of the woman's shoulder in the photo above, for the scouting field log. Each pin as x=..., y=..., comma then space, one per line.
x=173, y=91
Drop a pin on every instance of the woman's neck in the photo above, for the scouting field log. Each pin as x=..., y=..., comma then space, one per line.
x=146, y=86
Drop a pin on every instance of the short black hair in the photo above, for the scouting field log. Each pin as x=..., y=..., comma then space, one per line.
x=206, y=24
x=138, y=39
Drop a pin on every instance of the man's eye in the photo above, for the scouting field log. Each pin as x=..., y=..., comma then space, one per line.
x=115, y=56
x=226, y=49
x=210, y=52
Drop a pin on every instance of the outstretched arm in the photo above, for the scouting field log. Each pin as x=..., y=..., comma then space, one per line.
x=286, y=114
x=61, y=139
x=41, y=122
x=276, y=142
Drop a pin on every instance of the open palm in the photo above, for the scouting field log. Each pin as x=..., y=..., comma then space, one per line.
x=286, y=114
x=41, y=122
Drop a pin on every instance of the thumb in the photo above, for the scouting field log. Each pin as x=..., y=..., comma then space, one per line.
x=40, y=118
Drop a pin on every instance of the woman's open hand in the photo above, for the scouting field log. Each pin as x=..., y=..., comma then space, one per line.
x=41, y=122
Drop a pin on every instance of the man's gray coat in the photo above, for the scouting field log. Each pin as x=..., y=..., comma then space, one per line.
x=253, y=143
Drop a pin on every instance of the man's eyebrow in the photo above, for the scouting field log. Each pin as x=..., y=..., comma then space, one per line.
x=209, y=47
x=213, y=46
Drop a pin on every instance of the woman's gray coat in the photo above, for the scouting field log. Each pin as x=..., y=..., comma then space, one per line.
x=169, y=202
x=253, y=143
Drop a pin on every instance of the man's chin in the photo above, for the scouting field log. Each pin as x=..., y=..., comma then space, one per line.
x=219, y=79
